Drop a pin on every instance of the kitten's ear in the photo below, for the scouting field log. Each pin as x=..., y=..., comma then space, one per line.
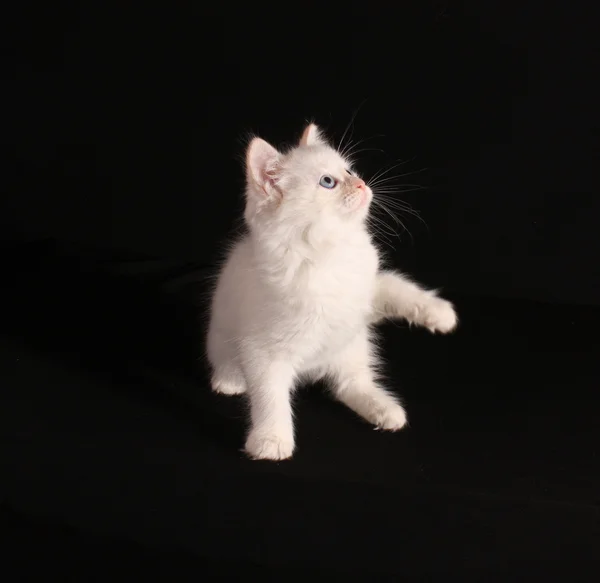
x=262, y=166
x=312, y=136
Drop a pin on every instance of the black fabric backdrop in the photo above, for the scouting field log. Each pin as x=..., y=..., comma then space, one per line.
x=125, y=124
x=123, y=127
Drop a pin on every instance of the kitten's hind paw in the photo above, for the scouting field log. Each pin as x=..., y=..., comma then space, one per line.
x=227, y=387
x=269, y=447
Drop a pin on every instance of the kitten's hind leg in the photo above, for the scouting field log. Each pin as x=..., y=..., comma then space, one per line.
x=354, y=384
x=227, y=377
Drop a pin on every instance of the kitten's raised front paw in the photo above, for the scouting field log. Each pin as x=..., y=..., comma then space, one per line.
x=390, y=418
x=271, y=446
x=438, y=315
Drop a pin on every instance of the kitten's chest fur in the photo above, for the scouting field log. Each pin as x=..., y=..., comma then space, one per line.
x=328, y=300
x=336, y=285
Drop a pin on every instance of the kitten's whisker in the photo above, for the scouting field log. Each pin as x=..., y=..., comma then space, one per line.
x=391, y=196
x=384, y=172
x=398, y=189
x=390, y=179
x=394, y=203
x=350, y=124
x=350, y=148
x=394, y=217
x=383, y=225
x=386, y=210
x=379, y=226
x=415, y=214
x=401, y=206
x=341, y=143
x=382, y=180
x=376, y=227
x=382, y=236
x=356, y=152
x=408, y=211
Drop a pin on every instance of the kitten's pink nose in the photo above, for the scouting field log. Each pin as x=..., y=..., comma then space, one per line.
x=360, y=184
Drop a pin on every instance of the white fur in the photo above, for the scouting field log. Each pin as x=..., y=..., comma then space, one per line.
x=299, y=293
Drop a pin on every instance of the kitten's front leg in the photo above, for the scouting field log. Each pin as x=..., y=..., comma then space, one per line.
x=398, y=297
x=271, y=435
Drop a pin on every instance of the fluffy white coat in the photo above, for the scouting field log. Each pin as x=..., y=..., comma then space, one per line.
x=298, y=295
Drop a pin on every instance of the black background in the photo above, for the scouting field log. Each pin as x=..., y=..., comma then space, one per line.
x=122, y=129
x=125, y=126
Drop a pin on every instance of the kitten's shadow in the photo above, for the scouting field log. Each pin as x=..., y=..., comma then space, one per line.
x=127, y=331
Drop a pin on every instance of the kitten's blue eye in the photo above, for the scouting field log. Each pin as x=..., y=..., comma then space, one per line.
x=328, y=181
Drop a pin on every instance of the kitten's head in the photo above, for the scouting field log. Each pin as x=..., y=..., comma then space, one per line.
x=310, y=186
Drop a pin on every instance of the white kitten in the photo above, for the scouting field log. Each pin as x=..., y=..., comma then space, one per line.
x=299, y=293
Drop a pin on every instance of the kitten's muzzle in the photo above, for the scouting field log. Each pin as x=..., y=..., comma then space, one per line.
x=360, y=184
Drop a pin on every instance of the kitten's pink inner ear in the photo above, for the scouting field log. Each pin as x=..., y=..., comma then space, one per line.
x=261, y=161
x=311, y=136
